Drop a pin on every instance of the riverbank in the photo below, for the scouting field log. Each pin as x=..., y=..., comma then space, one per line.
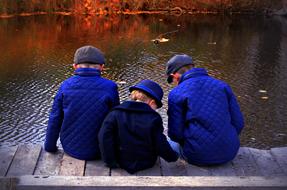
x=27, y=166
x=10, y=8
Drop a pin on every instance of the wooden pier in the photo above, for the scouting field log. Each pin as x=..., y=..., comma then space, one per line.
x=28, y=166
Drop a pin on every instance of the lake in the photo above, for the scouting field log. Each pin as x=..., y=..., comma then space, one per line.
x=248, y=52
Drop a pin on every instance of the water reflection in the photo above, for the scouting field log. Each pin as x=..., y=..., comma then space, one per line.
x=246, y=52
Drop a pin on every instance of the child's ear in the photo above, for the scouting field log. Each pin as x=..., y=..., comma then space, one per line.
x=102, y=67
x=152, y=104
x=75, y=66
x=176, y=77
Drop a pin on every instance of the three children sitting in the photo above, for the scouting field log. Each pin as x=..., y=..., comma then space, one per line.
x=91, y=124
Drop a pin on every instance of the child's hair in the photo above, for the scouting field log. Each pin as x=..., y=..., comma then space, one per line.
x=185, y=69
x=138, y=95
x=88, y=65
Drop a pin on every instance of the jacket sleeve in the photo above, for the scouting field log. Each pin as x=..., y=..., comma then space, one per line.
x=237, y=119
x=107, y=140
x=176, y=119
x=54, y=123
x=161, y=144
x=115, y=97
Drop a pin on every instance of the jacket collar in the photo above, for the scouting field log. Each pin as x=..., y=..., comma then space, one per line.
x=135, y=106
x=87, y=72
x=192, y=73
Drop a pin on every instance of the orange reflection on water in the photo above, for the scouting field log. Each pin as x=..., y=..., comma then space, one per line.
x=48, y=32
x=87, y=23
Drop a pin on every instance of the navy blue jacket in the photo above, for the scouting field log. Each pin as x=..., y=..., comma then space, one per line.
x=80, y=106
x=205, y=118
x=132, y=137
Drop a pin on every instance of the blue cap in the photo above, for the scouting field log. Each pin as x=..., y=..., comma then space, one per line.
x=89, y=54
x=175, y=63
x=151, y=88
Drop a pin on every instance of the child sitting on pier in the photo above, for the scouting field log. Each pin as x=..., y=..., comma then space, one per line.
x=132, y=136
x=204, y=117
x=80, y=106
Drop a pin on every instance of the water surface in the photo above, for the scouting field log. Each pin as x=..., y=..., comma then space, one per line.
x=249, y=53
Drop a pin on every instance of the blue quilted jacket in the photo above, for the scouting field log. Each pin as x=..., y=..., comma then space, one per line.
x=79, y=108
x=205, y=118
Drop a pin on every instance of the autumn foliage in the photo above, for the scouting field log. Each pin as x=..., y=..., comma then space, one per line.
x=18, y=7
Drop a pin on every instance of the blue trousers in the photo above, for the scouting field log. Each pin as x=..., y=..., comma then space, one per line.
x=177, y=148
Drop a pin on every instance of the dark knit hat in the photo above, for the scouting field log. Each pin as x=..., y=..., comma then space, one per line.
x=151, y=88
x=89, y=54
x=175, y=63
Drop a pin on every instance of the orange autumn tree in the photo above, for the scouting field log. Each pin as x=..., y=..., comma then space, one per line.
x=88, y=6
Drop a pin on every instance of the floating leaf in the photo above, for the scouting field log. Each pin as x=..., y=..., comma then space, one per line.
x=264, y=97
x=160, y=40
x=281, y=135
x=122, y=82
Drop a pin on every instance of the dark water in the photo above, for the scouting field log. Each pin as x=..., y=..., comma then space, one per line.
x=250, y=53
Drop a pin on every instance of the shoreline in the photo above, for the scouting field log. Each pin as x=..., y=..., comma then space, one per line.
x=162, y=12
x=9, y=8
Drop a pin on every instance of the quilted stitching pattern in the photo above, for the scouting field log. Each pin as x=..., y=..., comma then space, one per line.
x=85, y=100
x=205, y=118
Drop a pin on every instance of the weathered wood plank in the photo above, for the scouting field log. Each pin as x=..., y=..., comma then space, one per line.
x=280, y=155
x=265, y=162
x=71, y=166
x=177, y=168
x=7, y=155
x=193, y=170
x=96, y=168
x=154, y=171
x=244, y=163
x=49, y=163
x=249, y=162
x=120, y=172
x=223, y=170
x=146, y=182
x=8, y=183
x=25, y=160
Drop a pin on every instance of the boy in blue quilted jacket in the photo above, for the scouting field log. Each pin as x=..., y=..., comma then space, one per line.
x=204, y=118
x=80, y=106
x=132, y=136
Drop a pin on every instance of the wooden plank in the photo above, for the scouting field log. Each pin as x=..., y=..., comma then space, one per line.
x=146, y=182
x=8, y=183
x=193, y=170
x=177, y=168
x=244, y=163
x=265, y=162
x=120, y=172
x=7, y=155
x=96, y=168
x=154, y=171
x=25, y=160
x=223, y=170
x=49, y=163
x=71, y=166
x=280, y=155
